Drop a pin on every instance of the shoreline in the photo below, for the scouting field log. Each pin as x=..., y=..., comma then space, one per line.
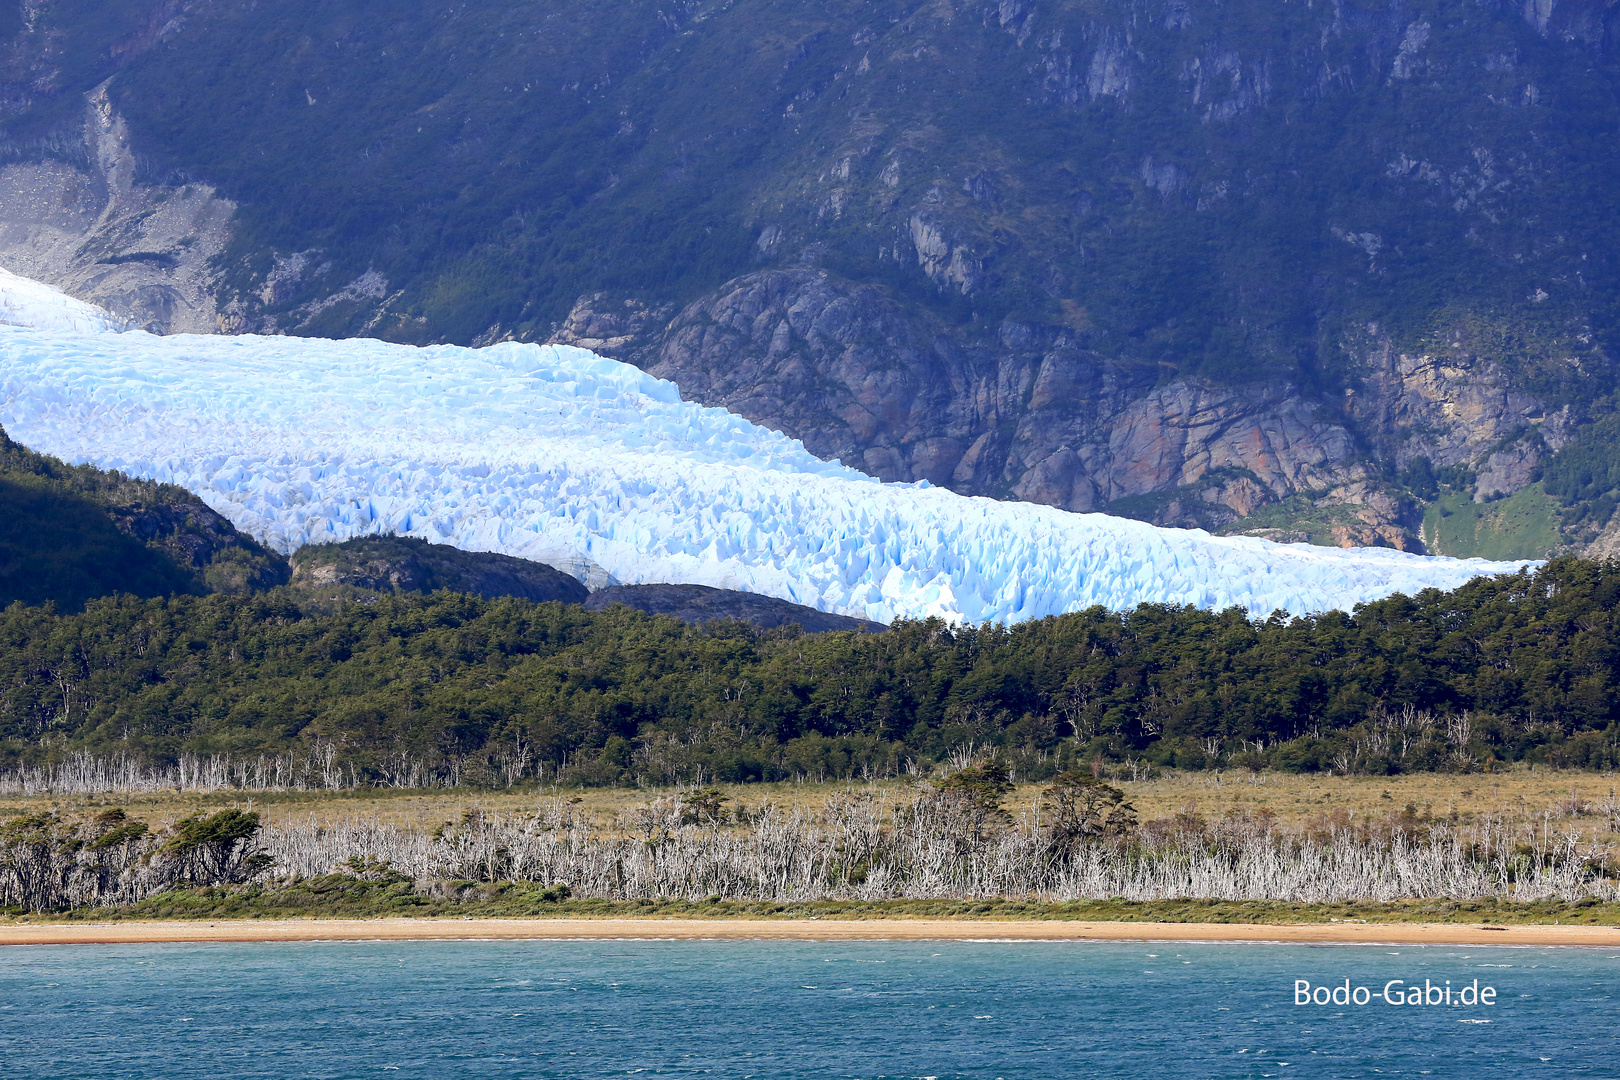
x=539, y=929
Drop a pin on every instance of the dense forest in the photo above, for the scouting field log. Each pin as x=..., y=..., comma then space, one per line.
x=1508, y=669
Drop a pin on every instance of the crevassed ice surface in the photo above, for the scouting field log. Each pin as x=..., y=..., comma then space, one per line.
x=25, y=302
x=556, y=454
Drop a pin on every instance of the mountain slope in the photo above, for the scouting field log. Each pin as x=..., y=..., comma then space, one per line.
x=70, y=534
x=698, y=604
x=387, y=564
x=1184, y=260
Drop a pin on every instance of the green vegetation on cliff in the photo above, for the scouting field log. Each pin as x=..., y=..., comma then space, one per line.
x=1215, y=188
x=1522, y=526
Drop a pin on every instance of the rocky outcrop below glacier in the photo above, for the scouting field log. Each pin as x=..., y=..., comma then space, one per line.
x=390, y=563
x=396, y=564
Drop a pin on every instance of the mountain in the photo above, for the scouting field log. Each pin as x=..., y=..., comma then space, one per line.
x=401, y=564
x=72, y=533
x=555, y=454
x=1344, y=273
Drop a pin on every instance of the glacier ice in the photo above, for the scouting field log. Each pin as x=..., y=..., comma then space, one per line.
x=556, y=454
x=24, y=302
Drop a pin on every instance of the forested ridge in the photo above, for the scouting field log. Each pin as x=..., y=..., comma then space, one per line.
x=72, y=532
x=1513, y=668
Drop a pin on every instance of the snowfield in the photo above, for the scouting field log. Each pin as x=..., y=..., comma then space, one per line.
x=556, y=454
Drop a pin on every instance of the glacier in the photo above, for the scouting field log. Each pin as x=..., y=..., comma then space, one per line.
x=24, y=302
x=556, y=454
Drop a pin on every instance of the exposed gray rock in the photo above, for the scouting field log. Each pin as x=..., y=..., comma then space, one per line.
x=405, y=564
x=1032, y=414
x=1455, y=408
x=1607, y=543
x=620, y=329
x=1028, y=414
x=142, y=251
x=1507, y=470
x=699, y=604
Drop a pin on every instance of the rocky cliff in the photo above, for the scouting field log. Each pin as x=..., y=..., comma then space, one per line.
x=1305, y=270
x=1034, y=415
x=82, y=222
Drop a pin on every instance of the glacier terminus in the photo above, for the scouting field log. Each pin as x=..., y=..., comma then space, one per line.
x=556, y=454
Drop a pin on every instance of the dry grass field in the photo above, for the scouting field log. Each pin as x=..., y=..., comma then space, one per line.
x=1525, y=844
x=1588, y=800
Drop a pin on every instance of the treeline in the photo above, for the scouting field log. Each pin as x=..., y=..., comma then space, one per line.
x=1513, y=668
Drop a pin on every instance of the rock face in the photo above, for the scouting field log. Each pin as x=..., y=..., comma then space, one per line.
x=1456, y=407
x=1102, y=256
x=1033, y=415
x=405, y=564
x=697, y=604
x=85, y=225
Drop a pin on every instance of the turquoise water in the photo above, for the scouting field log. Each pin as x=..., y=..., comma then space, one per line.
x=940, y=1010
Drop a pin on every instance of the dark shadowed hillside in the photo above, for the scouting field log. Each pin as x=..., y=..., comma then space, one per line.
x=699, y=604
x=69, y=534
x=389, y=564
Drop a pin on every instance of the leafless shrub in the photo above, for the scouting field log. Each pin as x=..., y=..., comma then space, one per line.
x=865, y=844
x=317, y=767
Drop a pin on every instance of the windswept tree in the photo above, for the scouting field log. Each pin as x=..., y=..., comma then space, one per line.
x=976, y=793
x=49, y=861
x=706, y=806
x=1080, y=809
x=214, y=849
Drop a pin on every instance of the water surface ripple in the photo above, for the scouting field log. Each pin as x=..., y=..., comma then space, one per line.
x=931, y=1010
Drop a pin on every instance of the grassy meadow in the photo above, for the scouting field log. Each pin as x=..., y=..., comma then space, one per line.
x=1577, y=798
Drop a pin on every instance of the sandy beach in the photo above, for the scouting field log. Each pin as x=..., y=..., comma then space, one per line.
x=797, y=929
